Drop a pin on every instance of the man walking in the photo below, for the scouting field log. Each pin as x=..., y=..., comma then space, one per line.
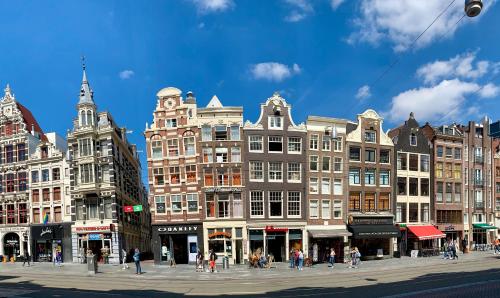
x=26, y=257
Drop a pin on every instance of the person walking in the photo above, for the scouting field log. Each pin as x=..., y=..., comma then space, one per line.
x=82, y=255
x=464, y=245
x=454, y=250
x=137, y=261
x=124, y=259
x=301, y=260
x=199, y=261
x=58, y=258
x=212, y=258
x=332, y=258
x=26, y=257
x=292, y=258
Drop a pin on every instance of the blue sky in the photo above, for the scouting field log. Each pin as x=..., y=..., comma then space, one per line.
x=323, y=56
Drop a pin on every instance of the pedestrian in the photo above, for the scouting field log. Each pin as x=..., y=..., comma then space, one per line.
x=497, y=246
x=212, y=259
x=292, y=258
x=137, y=261
x=124, y=259
x=199, y=261
x=26, y=257
x=332, y=258
x=105, y=254
x=464, y=245
x=296, y=259
x=58, y=258
x=82, y=255
x=455, y=249
x=301, y=260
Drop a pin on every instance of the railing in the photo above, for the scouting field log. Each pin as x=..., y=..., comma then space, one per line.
x=478, y=182
x=479, y=205
x=478, y=159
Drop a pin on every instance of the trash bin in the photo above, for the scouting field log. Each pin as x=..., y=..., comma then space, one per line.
x=225, y=262
x=92, y=264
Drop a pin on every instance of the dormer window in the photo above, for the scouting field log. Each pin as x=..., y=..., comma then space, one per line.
x=44, y=151
x=171, y=122
x=275, y=122
x=413, y=139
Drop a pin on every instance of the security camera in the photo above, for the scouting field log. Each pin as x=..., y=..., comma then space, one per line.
x=473, y=7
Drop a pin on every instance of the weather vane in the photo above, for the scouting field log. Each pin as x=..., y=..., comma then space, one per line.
x=83, y=62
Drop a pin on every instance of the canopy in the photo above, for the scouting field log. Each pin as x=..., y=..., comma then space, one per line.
x=374, y=231
x=484, y=226
x=329, y=233
x=426, y=232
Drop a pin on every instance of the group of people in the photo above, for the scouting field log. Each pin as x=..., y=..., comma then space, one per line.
x=259, y=259
x=297, y=259
x=450, y=249
x=355, y=257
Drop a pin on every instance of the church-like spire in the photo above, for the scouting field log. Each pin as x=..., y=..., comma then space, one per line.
x=86, y=94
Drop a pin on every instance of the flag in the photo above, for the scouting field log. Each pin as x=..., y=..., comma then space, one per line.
x=45, y=219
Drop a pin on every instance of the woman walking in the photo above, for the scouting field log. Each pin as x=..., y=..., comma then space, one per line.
x=332, y=258
x=301, y=260
x=137, y=261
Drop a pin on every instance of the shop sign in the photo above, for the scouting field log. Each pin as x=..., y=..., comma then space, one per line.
x=379, y=233
x=273, y=229
x=222, y=189
x=13, y=229
x=224, y=234
x=449, y=228
x=12, y=241
x=128, y=209
x=95, y=236
x=137, y=208
x=370, y=220
x=178, y=229
x=92, y=229
x=46, y=231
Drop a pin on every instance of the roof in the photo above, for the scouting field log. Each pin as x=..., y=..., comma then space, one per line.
x=86, y=94
x=169, y=91
x=214, y=102
x=30, y=121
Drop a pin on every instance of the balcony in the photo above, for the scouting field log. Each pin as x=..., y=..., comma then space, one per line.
x=478, y=159
x=478, y=182
x=479, y=205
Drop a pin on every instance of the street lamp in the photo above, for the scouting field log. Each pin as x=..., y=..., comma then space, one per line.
x=473, y=7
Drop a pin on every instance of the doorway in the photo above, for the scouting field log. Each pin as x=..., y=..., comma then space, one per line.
x=11, y=245
x=179, y=246
x=276, y=246
x=239, y=251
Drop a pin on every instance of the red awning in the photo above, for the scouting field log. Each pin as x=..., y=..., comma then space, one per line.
x=426, y=232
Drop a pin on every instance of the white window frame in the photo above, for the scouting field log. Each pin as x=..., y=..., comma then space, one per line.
x=269, y=143
x=273, y=200
x=325, y=181
x=311, y=157
x=413, y=139
x=337, y=205
x=335, y=182
x=260, y=200
x=259, y=139
x=290, y=142
x=311, y=215
x=271, y=120
x=314, y=142
x=341, y=164
x=326, y=140
x=154, y=146
x=189, y=198
x=326, y=213
x=295, y=202
x=178, y=198
x=337, y=144
x=311, y=183
x=256, y=170
x=238, y=155
x=299, y=171
x=189, y=142
x=274, y=171
x=328, y=163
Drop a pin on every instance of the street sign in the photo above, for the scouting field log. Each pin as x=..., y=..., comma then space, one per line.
x=128, y=209
x=137, y=208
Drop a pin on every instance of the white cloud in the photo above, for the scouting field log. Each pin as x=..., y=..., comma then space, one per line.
x=402, y=21
x=300, y=10
x=363, y=92
x=336, y=3
x=209, y=6
x=126, y=74
x=459, y=66
x=274, y=71
x=489, y=90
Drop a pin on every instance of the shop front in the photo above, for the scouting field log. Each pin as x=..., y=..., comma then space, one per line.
x=424, y=239
x=323, y=238
x=178, y=242
x=453, y=232
x=277, y=241
x=49, y=239
x=375, y=237
x=483, y=233
x=226, y=239
x=97, y=239
x=13, y=241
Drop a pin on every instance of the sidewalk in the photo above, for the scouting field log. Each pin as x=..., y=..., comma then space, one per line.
x=235, y=272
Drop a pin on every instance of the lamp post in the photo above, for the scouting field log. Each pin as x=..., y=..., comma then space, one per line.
x=473, y=7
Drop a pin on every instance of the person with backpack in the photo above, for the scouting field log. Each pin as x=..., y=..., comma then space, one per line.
x=137, y=261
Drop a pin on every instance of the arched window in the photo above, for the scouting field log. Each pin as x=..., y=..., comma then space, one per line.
x=90, y=119
x=83, y=120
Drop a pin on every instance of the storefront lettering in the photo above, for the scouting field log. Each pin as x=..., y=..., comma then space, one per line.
x=222, y=189
x=371, y=221
x=178, y=229
x=86, y=229
x=45, y=231
x=449, y=228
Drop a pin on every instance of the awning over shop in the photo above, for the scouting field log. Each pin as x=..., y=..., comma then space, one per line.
x=484, y=226
x=374, y=231
x=329, y=233
x=426, y=232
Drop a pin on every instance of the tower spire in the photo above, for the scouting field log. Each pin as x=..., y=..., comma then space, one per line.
x=86, y=94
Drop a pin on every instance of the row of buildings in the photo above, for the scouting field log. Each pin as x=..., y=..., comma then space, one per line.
x=219, y=183
x=67, y=194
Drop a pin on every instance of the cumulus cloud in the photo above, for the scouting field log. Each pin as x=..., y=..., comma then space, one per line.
x=126, y=74
x=459, y=66
x=489, y=90
x=209, y=6
x=363, y=92
x=401, y=21
x=300, y=9
x=336, y=3
x=274, y=71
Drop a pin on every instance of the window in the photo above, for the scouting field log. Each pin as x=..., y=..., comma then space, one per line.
x=401, y=212
x=424, y=163
x=275, y=172
x=439, y=151
x=370, y=136
x=45, y=175
x=439, y=170
x=236, y=176
x=173, y=147
x=439, y=192
x=108, y=208
x=466, y=176
x=337, y=164
x=337, y=209
x=313, y=163
x=191, y=174
x=237, y=205
x=355, y=201
x=57, y=194
x=256, y=203
x=294, y=203
x=255, y=143
x=313, y=142
x=313, y=209
x=22, y=179
x=449, y=152
x=413, y=212
x=458, y=192
x=171, y=123
x=160, y=204
x=325, y=209
x=325, y=165
x=34, y=176
x=11, y=214
x=176, y=203
x=369, y=176
x=220, y=132
x=46, y=195
x=235, y=132
x=87, y=171
x=174, y=175
x=156, y=149
x=223, y=205
x=294, y=172
x=413, y=189
x=206, y=133
x=354, y=153
x=275, y=122
x=313, y=185
x=23, y=213
x=424, y=210
x=189, y=146
x=385, y=156
x=458, y=153
x=222, y=177
x=294, y=145
x=79, y=210
x=10, y=182
x=369, y=202
x=275, y=144
x=275, y=204
x=35, y=195
x=92, y=208
x=256, y=171
x=207, y=155
x=413, y=162
x=85, y=147
x=413, y=139
x=369, y=155
x=384, y=177
x=448, y=192
x=221, y=154
x=337, y=186
x=158, y=176
x=354, y=176
x=235, y=154
x=402, y=186
x=21, y=152
x=337, y=144
x=325, y=186
x=424, y=186
x=326, y=143
x=402, y=161
x=384, y=202
x=56, y=174
x=457, y=171
x=448, y=170
x=210, y=202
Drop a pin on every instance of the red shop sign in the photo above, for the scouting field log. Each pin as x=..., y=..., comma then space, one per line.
x=273, y=229
x=128, y=208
